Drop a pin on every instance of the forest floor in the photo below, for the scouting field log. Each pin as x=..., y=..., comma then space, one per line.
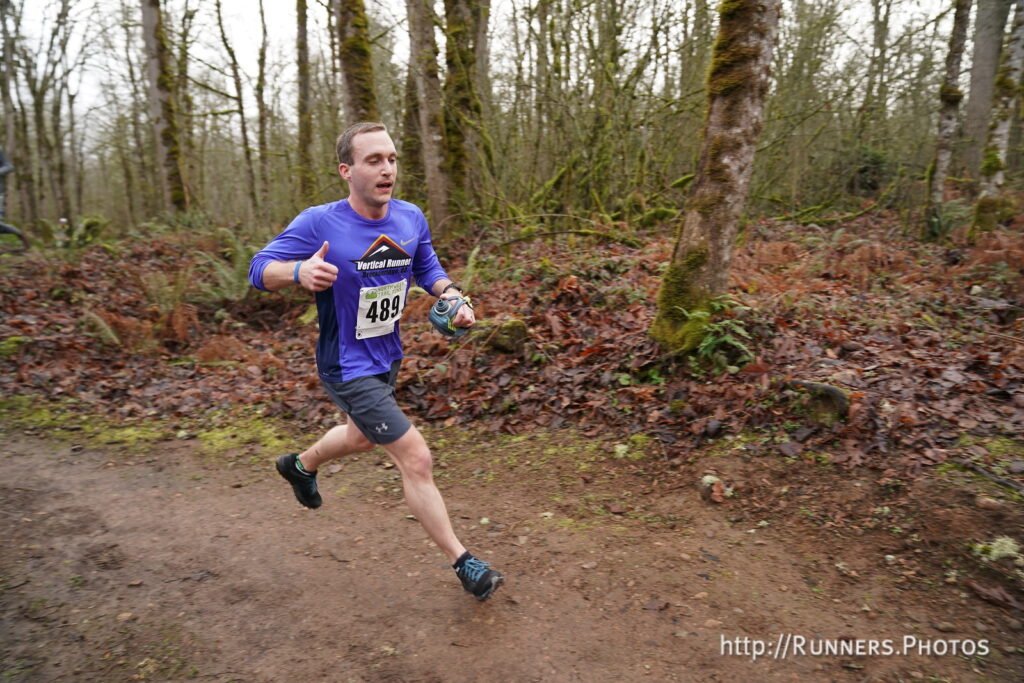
x=164, y=561
x=657, y=518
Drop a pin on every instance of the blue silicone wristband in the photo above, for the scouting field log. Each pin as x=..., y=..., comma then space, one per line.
x=295, y=274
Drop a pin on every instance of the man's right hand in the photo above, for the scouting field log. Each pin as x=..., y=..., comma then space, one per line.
x=316, y=274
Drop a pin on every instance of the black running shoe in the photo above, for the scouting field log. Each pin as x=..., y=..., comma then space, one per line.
x=478, y=579
x=303, y=484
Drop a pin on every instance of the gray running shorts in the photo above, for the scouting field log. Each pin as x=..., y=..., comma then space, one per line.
x=370, y=404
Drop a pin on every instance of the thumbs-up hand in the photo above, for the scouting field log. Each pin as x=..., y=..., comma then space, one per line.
x=316, y=274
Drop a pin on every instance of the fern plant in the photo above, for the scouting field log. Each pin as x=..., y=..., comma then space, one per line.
x=722, y=338
x=229, y=280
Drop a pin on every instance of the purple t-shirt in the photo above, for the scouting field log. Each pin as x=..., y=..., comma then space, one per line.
x=359, y=332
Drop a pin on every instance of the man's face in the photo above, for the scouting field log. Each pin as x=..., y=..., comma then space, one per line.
x=371, y=176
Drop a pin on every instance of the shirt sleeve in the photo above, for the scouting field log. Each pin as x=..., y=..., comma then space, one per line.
x=299, y=240
x=426, y=267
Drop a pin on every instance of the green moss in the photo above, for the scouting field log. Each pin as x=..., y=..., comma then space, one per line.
x=246, y=433
x=63, y=421
x=732, y=58
x=704, y=204
x=676, y=327
x=510, y=336
x=11, y=345
x=950, y=94
x=991, y=163
x=989, y=213
x=1002, y=446
x=354, y=52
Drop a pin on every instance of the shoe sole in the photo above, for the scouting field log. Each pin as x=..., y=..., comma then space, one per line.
x=495, y=582
x=283, y=471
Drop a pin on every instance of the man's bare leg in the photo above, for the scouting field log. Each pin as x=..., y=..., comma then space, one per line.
x=338, y=442
x=411, y=454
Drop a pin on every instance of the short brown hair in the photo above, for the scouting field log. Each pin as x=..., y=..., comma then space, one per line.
x=344, y=143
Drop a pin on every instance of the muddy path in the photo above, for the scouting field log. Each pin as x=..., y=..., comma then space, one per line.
x=165, y=564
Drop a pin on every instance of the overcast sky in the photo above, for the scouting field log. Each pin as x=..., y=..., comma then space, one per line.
x=243, y=26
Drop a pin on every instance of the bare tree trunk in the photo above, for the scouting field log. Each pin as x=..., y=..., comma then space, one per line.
x=149, y=180
x=737, y=85
x=991, y=207
x=263, y=122
x=989, y=26
x=949, y=105
x=305, y=112
x=482, y=52
x=56, y=144
x=423, y=65
x=163, y=107
x=129, y=176
x=236, y=79
x=360, y=101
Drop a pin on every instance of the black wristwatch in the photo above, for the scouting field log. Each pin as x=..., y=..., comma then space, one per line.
x=452, y=285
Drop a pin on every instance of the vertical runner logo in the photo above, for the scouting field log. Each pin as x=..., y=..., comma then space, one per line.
x=383, y=256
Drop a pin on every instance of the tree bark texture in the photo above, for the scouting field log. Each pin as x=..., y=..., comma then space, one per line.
x=992, y=208
x=413, y=177
x=1007, y=91
x=185, y=104
x=430, y=124
x=263, y=116
x=462, y=108
x=360, y=101
x=236, y=78
x=989, y=26
x=737, y=84
x=950, y=97
x=304, y=172
x=162, y=106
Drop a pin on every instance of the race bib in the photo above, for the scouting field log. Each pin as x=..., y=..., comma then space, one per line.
x=379, y=309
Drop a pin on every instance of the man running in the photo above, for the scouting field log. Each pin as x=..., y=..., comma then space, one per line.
x=358, y=254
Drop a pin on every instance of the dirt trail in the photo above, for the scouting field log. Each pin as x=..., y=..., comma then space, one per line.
x=168, y=566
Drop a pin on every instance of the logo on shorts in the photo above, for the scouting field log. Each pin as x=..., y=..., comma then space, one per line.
x=383, y=257
x=382, y=427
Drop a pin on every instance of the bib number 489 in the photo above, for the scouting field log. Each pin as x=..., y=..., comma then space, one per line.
x=379, y=308
x=384, y=310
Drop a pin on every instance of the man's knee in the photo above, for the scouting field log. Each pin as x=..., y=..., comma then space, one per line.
x=415, y=460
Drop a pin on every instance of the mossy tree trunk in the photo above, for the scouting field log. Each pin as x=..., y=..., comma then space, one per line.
x=163, y=108
x=413, y=176
x=989, y=26
x=359, y=99
x=462, y=109
x=429, y=123
x=992, y=206
x=304, y=109
x=737, y=84
x=950, y=96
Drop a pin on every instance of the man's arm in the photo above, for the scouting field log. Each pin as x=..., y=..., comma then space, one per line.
x=465, y=316
x=314, y=273
x=438, y=288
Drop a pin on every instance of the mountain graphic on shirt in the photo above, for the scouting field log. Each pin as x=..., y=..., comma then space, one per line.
x=383, y=254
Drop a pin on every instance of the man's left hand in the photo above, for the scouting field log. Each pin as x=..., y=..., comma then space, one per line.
x=464, y=317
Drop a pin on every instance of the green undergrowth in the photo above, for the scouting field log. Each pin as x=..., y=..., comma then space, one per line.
x=243, y=432
x=66, y=421
x=219, y=434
